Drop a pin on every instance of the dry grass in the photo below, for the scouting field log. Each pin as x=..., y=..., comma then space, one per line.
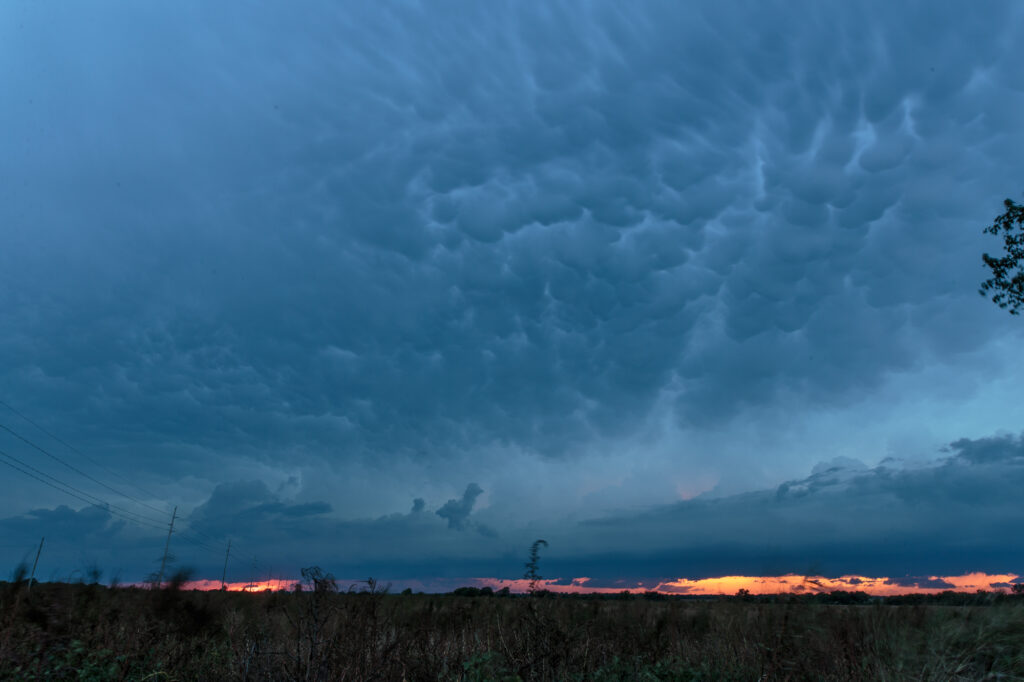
x=90, y=632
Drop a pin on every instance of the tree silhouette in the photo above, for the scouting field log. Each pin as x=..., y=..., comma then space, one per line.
x=1006, y=286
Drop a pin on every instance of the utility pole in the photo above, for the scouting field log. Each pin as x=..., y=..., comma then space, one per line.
x=163, y=563
x=35, y=563
x=224, y=575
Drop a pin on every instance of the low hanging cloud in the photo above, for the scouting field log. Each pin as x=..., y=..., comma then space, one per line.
x=457, y=512
x=249, y=503
x=905, y=521
x=947, y=516
x=923, y=582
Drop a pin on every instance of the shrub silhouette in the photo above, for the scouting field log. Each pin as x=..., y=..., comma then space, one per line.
x=532, y=566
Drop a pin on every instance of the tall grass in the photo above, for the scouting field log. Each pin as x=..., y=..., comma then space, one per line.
x=88, y=631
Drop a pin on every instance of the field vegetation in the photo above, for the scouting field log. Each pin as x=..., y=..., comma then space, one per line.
x=62, y=631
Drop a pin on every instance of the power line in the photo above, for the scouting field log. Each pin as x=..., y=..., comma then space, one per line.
x=96, y=498
x=98, y=502
x=187, y=533
x=209, y=537
x=66, y=492
x=95, y=501
x=68, y=489
x=82, y=454
x=75, y=469
x=99, y=464
x=234, y=554
x=196, y=542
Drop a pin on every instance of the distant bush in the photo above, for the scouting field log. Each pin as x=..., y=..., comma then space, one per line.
x=485, y=591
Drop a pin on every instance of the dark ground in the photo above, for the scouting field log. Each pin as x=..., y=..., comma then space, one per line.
x=90, y=632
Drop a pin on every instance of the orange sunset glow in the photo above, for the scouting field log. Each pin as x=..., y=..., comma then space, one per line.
x=724, y=585
x=877, y=586
x=255, y=586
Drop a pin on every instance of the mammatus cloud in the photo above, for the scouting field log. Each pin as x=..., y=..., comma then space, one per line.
x=474, y=237
x=291, y=272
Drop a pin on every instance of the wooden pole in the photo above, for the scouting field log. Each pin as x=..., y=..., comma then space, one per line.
x=35, y=563
x=224, y=575
x=167, y=546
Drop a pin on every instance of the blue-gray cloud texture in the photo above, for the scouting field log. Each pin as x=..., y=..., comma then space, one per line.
x=369, y=238
x=948, y=516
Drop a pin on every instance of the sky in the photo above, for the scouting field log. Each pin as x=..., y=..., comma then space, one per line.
x=689, y=290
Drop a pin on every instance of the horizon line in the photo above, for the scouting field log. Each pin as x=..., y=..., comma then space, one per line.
x=791, y=584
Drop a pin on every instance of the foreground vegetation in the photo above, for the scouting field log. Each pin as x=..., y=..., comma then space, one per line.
x=90, y=632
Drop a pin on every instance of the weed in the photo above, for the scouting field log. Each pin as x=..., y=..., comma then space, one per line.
x=532, y=573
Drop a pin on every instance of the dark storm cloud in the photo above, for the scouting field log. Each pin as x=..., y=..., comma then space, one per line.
x=89, y=523
x=923, y=582
x=946, y=517
x=988, y=450
x=268, y=533
x=909, y=522
x=75, y=541
x=414, y=230
x=247, y=503
x=370, y=252
x=457, y=512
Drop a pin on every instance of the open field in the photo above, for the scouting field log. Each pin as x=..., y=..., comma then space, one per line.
x=90, y=632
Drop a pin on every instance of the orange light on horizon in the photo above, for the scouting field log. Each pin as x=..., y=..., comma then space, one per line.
x=800, y=584
x=722, y=585
x=784, y=584
x=256, y=586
